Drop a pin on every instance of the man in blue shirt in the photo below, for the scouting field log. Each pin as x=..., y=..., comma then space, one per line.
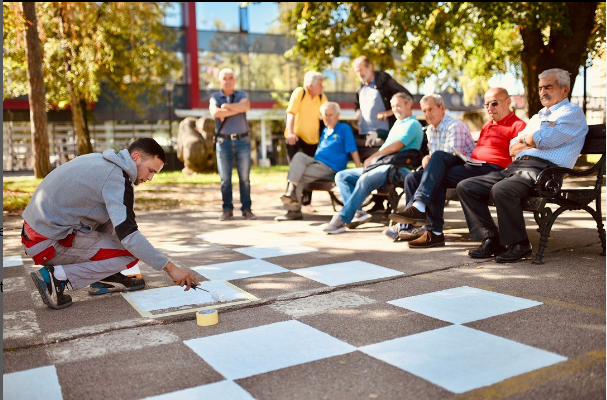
x=355, y=184
x=553, y=137
x=233, y=141
x=336, y=144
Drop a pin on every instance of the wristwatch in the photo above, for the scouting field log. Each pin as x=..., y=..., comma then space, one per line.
x=525, y=140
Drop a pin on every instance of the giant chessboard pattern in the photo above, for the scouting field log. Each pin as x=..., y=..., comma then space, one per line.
x=449, y=356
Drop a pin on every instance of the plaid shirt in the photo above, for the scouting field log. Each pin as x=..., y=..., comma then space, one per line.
x=451, y=133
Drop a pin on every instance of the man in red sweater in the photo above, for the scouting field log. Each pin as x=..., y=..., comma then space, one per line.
x=426, y=189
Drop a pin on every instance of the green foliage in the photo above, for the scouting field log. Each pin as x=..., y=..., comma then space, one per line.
x=87, y=43
x=460, y=44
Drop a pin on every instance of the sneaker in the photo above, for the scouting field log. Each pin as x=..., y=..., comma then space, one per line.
x=411, y=233
x=290, y=216
x=393, y=231
x=50, y=288
x=359, y=218
x=428, y=239
x=410, y=215
x=248, y=214
x=226, y=215
x=116, y=283
x=335, y=226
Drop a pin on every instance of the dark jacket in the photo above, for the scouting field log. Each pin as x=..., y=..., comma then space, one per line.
x=387, y=87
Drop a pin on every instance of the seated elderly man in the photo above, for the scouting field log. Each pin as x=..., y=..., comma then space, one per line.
x=336, y=144
x=426, y=201
x=356, y=184
x=553, y=137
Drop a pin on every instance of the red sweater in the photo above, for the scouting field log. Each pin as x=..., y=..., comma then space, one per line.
x=494, y=141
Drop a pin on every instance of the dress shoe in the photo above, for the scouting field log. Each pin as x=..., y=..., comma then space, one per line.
x=226, y=215
x=489, y=248
x=248, y=214
x=515, y=253
x=410, y=215
x=427, y=239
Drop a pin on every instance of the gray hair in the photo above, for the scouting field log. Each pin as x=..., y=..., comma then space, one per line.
x=330, y=104
x=438, y=100
x=403, y=96
x=311, y=77
x=562, y=76
x=225, y=71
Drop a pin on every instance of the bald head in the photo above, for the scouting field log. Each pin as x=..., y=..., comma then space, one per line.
x=497, y=103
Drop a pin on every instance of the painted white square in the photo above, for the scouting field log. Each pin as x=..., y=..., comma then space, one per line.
x=346, y=272
x=11, y=261
x=459, y=358
x=176, y=296
x=463, y=304
x=239, y=269
x=274, y=251
x=266, y=348
x=225, y=390
x=18, y=385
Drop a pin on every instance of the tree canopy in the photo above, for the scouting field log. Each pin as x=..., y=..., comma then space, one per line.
x=462, y=44
x=87, y=44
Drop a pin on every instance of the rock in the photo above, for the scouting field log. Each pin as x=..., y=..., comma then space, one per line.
x=195, y=145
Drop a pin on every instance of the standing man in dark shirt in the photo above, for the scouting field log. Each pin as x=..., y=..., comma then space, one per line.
x=233, y=141
x=373, y=109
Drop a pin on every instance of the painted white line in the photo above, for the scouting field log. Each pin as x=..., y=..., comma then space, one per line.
x=20, y=324
x=321, y=303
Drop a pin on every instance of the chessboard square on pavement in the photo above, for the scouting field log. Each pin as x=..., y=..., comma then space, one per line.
x=239, y=269
x=274, y=251
x=32, y=384
x=346, y=272
x=227, y=390
x=12, y=261
x=459, y=358
x=266, y=348
x=463, y=304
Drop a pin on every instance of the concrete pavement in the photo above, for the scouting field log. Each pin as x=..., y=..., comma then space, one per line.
x=356, y=317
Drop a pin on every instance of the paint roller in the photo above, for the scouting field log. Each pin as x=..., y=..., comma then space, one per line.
x=215, y=294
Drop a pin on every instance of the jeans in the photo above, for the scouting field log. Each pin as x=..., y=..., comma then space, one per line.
x=354, y=187
x=444, y=170
x=228, y=150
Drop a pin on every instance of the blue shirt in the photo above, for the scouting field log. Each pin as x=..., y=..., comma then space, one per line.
x=335, y=147
x=408, y=131
x=558, y=132
x=236, y=123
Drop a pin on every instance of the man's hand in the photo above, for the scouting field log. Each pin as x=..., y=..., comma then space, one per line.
x=180, y=276
x=425, y=161
x=291, y=138
x=370, y=139
x=383, y=115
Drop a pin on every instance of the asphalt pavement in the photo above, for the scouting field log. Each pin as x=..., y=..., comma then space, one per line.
x=347, y=316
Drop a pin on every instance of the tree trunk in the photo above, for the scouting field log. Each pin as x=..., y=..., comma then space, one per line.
x=83, y=140
x=37, y=103
x=566, y=49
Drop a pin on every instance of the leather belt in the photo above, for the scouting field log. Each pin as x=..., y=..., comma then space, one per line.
x=537, y=159
x=234, y=136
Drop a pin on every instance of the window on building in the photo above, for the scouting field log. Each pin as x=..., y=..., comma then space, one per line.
x=217, y=16
x=174, y=15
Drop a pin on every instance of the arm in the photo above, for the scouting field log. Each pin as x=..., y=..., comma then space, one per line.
x=570, y=123
x=291, y=136
x=236, y=108
x=180, y=276
x=356, y=159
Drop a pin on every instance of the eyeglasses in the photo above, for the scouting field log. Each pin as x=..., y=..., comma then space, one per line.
x=493, y=103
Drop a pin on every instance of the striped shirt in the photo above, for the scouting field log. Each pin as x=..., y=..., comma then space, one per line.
x=558, y=132
x=450, y=134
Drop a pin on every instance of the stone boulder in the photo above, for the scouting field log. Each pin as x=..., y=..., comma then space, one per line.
x=195, y=145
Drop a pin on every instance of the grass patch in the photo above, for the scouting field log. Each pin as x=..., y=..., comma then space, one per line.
x=18, y=191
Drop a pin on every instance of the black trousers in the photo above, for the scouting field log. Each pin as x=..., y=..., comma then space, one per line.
x=507, y=189
x=309, y=149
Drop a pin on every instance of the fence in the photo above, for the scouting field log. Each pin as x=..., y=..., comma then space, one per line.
x=17, y=140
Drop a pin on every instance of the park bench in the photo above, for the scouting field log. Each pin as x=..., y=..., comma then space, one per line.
x=549, y=190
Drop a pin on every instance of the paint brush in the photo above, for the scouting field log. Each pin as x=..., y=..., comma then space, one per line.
x=215, y=294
